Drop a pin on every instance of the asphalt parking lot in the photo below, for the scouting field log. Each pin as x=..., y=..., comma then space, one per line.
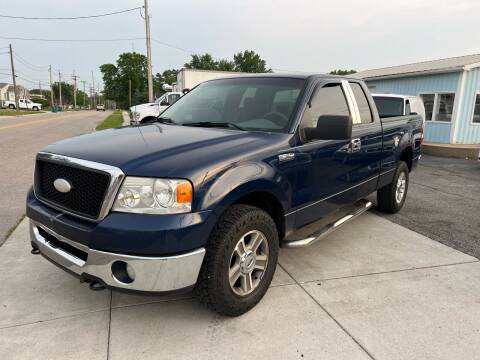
x=443, y=203
x=372, y=290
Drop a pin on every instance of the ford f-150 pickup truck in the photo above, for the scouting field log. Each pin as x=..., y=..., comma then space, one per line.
x=203, y=197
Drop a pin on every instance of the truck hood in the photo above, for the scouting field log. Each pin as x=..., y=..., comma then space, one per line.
x=168, y=150
x=142, y=106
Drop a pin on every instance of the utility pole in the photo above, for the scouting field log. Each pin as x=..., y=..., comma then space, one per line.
x=129, y=93
x=51, y=86
x=100, y=100
x=93, y=85
x=149, y=53
x=14, y=79
x=84, y=93
x=75, y=77
x=60, y=89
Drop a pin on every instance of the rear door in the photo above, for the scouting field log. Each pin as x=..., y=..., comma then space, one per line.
x=367, y=134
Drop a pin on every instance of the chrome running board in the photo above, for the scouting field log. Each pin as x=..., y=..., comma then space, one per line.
x=359, y=208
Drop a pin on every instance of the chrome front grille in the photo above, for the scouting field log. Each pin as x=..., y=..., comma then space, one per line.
x=93, y=185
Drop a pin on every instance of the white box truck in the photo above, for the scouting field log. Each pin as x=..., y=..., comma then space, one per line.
x=189, y=78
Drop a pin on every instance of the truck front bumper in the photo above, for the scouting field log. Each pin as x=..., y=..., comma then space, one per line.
x=137, y=273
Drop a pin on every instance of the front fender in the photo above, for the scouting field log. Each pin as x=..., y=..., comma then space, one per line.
x=241, y=180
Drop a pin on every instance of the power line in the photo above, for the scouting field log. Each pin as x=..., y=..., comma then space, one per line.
x=173, y=46
x=71, y=18
x=70, y=40
x=29, y=65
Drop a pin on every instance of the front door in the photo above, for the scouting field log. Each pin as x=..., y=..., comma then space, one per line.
x=323, y=165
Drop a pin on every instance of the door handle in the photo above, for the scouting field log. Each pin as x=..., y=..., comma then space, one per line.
x=355, y=145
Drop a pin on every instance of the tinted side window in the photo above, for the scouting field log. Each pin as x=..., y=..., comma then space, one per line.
x=362, y=102
x=172, y=98
x=328, y=100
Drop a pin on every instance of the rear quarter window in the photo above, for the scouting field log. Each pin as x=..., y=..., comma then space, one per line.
x=362, y=103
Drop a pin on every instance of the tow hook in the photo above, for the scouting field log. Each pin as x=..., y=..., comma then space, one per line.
x=35, y=251
x=96, y=286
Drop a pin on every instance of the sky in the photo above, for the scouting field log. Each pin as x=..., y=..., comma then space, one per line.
x=301, y=35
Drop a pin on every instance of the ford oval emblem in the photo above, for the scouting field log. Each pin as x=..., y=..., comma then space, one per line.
x=62, y=185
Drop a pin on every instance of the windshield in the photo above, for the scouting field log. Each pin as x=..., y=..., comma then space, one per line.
x=265, y=104
x=160, y=99
x=388, y=106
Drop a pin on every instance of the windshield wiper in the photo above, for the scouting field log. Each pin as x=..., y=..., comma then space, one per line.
x=214, y=124
x=164, y=120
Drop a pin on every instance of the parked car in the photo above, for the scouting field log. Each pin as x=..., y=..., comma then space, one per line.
x=145, y=113
x=204, y=197
x=26, y=104
x=100, y=107
x=391, y=105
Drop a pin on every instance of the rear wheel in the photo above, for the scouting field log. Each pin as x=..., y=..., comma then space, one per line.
x=240, y=261
x=11, y=106
x=391, y=198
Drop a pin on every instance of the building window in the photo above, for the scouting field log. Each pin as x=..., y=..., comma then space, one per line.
x=428, y=102
x=476, y=110
x=439, y=106
x=445, y=107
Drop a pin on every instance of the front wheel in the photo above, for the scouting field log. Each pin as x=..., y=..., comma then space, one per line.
x=240, y=261
x=35, y=108
x=391, y=197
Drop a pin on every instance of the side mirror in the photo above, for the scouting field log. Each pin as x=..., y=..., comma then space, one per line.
x=164, y=103
x=331, y=127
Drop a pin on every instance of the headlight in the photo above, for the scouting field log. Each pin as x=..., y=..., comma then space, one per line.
x=154, y=196
x=136, y=115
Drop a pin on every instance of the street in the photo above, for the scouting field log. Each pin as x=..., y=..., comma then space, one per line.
x=20, y=139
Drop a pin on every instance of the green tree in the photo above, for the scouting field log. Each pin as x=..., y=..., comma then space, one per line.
x=67, y=93
x=244, y=61
x=109, y=73
x=225, y=65
x=342, y=72
x=130, y=66
x=249, y=61
x=167, y=77
x=202, y=62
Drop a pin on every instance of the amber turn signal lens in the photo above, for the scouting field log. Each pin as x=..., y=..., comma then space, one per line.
x=184, y=193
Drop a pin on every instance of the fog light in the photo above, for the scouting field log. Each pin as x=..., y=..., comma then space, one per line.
x=130, y=271
x=121, y=273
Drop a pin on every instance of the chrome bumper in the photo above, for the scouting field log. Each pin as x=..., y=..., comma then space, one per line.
x=152, y=274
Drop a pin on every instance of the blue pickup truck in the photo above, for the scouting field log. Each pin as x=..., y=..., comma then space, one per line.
x=204, y=196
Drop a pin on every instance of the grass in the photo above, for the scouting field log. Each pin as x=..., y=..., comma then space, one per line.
x=21, y=112
x=112, y=121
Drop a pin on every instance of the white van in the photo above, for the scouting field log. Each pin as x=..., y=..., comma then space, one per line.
x=390, y=105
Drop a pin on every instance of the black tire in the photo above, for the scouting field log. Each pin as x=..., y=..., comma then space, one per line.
x=35, y=108
x=11, y=106
x=387, y=196
x=213, y=285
